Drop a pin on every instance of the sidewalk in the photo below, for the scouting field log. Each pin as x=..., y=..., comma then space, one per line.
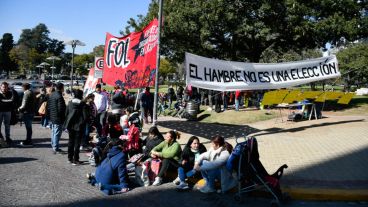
x=327, y=158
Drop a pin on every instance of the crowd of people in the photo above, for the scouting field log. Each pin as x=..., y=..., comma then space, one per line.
x=115, y=120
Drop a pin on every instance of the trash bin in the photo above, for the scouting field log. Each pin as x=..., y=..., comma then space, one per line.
x=192, y=110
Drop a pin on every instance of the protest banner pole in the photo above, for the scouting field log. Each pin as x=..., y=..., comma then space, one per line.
x=157, y=63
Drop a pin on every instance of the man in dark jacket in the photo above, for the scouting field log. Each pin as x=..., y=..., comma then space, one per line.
x=27, y=109
x=170, y=95
x=147, y=104
x=56, y=109
x=118, y=102
x=7, y=102
x=76, y=116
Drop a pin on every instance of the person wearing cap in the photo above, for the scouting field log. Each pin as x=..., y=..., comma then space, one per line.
x=56, y=109
x=27, y=110
x=102, y=105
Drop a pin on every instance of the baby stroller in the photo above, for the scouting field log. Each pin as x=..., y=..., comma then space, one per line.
x=251, y=173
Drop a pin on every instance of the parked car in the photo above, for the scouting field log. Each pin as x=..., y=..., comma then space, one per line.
x=21, y=77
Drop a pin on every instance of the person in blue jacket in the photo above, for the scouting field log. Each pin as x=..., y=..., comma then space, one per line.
x=111, y=175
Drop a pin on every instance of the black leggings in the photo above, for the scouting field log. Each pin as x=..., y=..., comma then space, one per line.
x=166, y=165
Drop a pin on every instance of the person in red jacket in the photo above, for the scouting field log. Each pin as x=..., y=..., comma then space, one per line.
x=238, y=95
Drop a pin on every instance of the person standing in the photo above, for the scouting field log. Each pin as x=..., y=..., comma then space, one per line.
x=75, y=118
x=27, y=109
x=118, y=102
x=180, y=92
x=238, y=96
x=7, y=102
x=170, y=95
x=42, y=98
x=147, y=104
x=56, y=109
x=102, y=104
x=90, y=123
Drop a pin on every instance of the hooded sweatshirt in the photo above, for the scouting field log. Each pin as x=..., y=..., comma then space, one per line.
x=76, y=115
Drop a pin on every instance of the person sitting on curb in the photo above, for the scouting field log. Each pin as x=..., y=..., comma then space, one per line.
x=111, y=175
x=190, y=155
x=169, y=151
x=212, y=165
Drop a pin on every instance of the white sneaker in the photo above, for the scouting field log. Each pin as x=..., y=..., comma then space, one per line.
x=207, y=189
x=176, y=181
x=158, y=181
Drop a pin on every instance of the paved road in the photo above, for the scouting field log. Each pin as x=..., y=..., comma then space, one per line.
x=36, y=177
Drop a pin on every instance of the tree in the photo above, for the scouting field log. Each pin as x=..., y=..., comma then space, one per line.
x=98, y=51
x=243, y=30
x=353, y=63
x=34, y=46
x=6, y=45
x=166, y=68
x=80, y=62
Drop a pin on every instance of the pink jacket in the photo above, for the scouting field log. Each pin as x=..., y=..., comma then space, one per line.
x=132, y=139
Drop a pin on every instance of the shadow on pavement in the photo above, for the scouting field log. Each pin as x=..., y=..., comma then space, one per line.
x=11, y=160
x=298, y=129
x=208, y=130
x=166, y=198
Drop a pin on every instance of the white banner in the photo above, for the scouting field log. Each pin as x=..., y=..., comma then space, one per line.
x=91, y=82
x=223, y=75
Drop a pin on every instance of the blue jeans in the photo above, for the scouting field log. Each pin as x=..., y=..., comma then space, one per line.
x=85, y=139
x=237, y=102
x=185, y=171
x=56, y=130
x=107, y=189
x=5, y=117
x=27, y=119
x=44, y=121
x=210, y=176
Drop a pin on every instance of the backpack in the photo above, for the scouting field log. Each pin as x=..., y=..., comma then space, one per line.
x=96, y=156
x=295, y=117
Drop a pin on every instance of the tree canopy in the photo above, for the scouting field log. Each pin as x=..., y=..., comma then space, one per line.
x=353, y=63
x=34, y=46
x=6, y=45
x=243, y=30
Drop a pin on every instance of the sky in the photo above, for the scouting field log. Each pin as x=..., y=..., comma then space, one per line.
x=84, y=20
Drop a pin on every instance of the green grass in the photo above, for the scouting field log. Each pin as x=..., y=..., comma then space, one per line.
x=244, y=116
x=162, y=88
x=357, y=106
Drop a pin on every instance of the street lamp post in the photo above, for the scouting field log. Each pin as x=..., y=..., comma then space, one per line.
x=74, y=44
x=42, y=65
x=53, y=58
x=39, y=69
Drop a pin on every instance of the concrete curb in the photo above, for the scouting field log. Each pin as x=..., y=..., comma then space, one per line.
x=327, y=194
x=315, y=194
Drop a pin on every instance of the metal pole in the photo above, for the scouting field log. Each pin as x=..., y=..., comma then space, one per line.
x=73, y=46
x=52, y=71
x=157, y=63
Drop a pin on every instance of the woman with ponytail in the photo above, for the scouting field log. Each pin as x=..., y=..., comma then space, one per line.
x=169, y=151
